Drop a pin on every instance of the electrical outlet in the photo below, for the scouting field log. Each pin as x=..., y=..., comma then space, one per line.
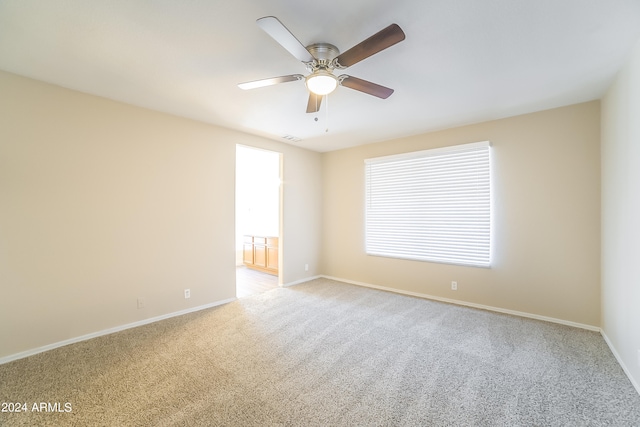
x=187, y=293
x=306, y=267
x=454, y=286
x=140, y=302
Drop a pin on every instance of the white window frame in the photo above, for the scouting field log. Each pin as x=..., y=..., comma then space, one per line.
x=431, y=205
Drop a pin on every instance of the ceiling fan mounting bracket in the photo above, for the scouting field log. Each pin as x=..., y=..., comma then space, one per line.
x=323, y=54
x=323, y=51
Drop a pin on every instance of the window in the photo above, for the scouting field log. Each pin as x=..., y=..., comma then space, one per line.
x=432, y=205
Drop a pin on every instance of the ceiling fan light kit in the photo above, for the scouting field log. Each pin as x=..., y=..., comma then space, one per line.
x=321, y=59
x=321, y=82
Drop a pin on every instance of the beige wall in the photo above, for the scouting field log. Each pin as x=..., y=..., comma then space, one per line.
x=546, y=240
x=102, y=203
x=621, y=216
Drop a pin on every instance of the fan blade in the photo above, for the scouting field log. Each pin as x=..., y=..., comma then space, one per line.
x=268, y=82
x=365, y=86
x=314, y=102
x=272, y=26
x=381, y=40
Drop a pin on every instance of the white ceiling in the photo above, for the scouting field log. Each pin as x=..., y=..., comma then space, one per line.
x=463, y=61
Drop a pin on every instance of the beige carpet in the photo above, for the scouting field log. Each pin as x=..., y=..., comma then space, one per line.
x=327, y=353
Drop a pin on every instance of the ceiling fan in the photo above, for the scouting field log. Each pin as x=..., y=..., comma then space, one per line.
x=321, y=59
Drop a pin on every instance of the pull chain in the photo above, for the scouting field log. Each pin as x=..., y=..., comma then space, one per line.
x=327, y=113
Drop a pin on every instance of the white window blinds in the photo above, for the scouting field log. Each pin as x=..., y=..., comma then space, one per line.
x=432, y=205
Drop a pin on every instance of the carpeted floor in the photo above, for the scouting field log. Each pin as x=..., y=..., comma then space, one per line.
x=327, y=353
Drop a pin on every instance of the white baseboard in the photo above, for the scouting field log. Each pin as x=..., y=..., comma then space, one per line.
x=470, y=304
x=27, y=353
x=297, y=282
x=620, y=361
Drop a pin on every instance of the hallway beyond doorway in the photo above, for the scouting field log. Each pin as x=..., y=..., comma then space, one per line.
x=252, y=282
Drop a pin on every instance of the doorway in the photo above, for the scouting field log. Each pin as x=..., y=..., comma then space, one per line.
x=258, y=220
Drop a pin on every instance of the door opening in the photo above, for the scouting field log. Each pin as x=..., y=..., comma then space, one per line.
x=258, y=219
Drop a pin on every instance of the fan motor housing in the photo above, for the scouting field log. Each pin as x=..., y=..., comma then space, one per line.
x=323, y=52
